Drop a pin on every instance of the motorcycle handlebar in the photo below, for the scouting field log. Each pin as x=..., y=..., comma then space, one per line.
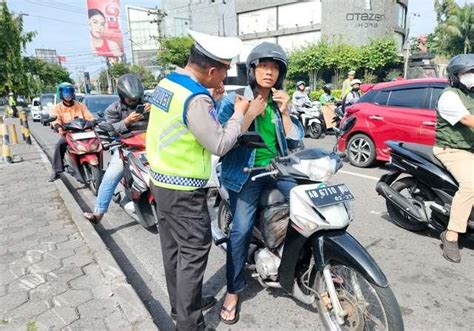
x=249, y=169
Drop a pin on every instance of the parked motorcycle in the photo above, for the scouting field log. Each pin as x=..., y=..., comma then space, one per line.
x=135, y=181
x=303, y=246
x=310, y=116
x=424, y=195
x=83, y=158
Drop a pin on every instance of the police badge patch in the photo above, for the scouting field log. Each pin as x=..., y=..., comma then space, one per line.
x=161, y=98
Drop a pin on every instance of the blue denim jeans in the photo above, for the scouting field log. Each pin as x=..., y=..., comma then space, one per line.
x=112, y=176
x=244, y=206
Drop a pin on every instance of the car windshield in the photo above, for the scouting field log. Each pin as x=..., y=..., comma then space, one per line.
x=45, y=99
x=98, y=104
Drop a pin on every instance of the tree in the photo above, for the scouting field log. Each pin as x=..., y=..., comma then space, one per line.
x=460, y=26
x=174, y=51
x=44, y=75
x=119, y=69
x=12, y=40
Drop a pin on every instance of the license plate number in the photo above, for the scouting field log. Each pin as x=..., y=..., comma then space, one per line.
x=330, y=195
x=83, y=135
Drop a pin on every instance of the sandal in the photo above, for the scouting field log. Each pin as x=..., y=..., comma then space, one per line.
x=235, y=309
x=93, y=218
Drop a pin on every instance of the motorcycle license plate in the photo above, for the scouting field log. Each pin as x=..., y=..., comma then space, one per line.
x=330, y=195
x=83, y=135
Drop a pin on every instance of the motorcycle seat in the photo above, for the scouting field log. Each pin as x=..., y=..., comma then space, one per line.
x=271, y=197
x=425, y=151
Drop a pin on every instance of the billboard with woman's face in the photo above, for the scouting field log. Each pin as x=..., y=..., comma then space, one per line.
x=104, y=27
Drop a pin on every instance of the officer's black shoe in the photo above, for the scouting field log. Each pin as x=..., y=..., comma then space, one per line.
x=207, y=303
x=54, y=175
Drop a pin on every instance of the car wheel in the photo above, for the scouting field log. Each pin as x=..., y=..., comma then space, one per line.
x=361, y=151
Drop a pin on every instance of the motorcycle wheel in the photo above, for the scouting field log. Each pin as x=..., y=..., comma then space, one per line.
x=93, y=177
x=224, y=218
x=409, y=188
x=368, y=306
x=315, y=130
x=145, y=214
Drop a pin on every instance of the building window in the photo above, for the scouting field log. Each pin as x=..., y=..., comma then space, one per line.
x=402, y=14
x=180, y=26
x=257, y=21
x=299, y=14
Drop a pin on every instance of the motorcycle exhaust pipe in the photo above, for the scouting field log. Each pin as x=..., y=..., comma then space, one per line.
x=400, y=201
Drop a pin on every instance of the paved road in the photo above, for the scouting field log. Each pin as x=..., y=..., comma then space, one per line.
x=433, y=293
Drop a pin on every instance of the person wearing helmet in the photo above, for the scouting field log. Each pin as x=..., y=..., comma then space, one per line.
x=300, y=97
x=268, y=114
x=123, y=117
x=65, y=111
x=346, y=85
x=354, y=95
x=183, y=132
x=327, y=98
x=12, y=104
x=454, y=146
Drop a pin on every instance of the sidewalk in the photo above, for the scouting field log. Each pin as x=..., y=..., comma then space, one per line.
x=55, y=271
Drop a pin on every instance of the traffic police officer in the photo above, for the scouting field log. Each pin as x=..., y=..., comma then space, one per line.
x=183, y=132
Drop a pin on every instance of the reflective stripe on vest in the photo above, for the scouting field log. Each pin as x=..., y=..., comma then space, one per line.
x=177, y=160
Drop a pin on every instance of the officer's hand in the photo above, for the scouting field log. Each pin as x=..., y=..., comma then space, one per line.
x=257, y=106
x=147, y=106
x=61, y=131
x=132, y=118
x=241, y=105
x=282, y=99
x=217, y=92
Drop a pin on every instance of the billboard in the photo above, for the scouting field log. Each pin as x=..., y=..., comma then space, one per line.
x=104, y=27
x=48, y=55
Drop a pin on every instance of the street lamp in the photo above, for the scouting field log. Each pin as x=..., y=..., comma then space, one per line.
x=407, y=42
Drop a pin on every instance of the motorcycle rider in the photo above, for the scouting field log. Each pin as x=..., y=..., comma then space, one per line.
x=327, y=97
x=122, y=115
x=300, y=96
x=267, y=65
x=65, y=112
x=454, y=146
x=346, y=84
x=354, y=95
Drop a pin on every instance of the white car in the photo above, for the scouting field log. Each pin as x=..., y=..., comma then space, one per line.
x=35, y=110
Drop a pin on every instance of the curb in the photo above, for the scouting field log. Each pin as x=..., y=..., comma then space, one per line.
x=131, y=304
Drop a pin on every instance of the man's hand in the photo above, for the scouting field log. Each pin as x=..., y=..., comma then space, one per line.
x=217, y=92
x=282, y=99
x=132, y=118
x=147, y=106
x=241, y=105
x=257, y=106
x=61, y=131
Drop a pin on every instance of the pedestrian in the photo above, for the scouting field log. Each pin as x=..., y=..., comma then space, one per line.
x=300, y=96
x=346, y=84
x=454, y=146
x=65, y=112
x=267, y=65
x=183, y=132
x=12, y=104
x=123, y=117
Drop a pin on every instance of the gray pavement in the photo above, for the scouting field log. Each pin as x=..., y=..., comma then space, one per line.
x=433, y=293
x=56, y=273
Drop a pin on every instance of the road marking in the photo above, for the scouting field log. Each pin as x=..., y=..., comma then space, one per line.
x=358, y=175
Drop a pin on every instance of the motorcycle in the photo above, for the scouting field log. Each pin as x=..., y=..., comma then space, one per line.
x=310, y=116
x=339, y=114
x=303, y=246
x=83, y=158
x=424, y=195
x=136, y=199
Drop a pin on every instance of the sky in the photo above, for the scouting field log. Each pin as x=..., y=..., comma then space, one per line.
x=62, y=25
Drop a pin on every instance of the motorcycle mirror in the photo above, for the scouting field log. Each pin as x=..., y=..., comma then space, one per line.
x=50, y=119
x=251, y=140
x=107, y=127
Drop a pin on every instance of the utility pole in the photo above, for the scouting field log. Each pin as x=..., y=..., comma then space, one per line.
x=159, y=17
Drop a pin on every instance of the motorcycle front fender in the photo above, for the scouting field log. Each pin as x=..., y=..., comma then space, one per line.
x=390, y=177
x=92, y=159
x=341, y=247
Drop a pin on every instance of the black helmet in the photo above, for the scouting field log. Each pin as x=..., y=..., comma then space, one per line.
x=268, y=51
x=129, y=86
x=327, y=88
x=459, y=65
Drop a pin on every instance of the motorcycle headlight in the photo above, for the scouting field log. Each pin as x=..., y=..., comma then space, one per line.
x=318, y=169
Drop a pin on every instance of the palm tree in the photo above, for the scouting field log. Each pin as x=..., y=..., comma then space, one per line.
x=460, y=25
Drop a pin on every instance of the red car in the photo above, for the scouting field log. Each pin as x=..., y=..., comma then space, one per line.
x=399, y=110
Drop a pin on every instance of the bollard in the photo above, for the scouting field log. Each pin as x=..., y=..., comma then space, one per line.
x=13, y=135
x=6, y=154
x=26, y=128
